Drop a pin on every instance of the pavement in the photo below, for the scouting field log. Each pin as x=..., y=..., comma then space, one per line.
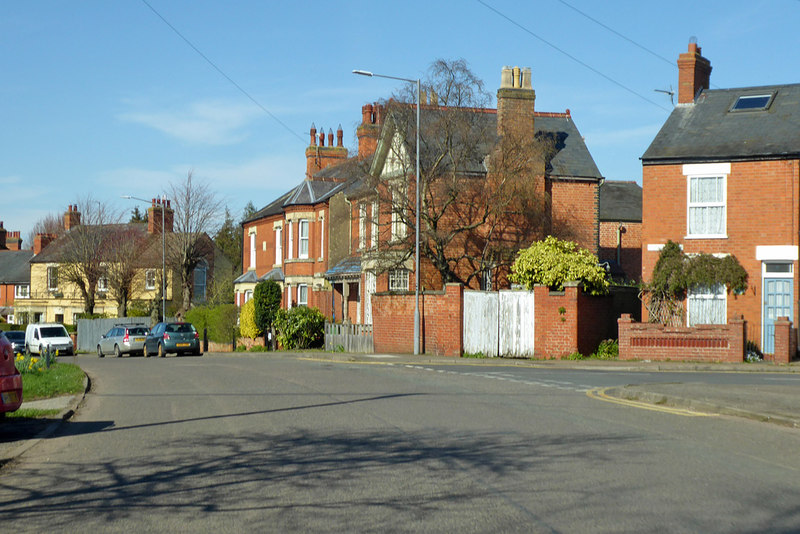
x=776, y=404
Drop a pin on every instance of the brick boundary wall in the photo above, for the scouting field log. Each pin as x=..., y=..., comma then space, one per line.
x=441, y=317
x=702, y=343
x=785, y=342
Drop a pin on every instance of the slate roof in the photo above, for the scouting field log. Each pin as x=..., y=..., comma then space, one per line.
x=251, y=277
x=54, y=252
x=572, y=159
x=620, y=201
x=347, y=268
x=319, y=189
x=708, y=131
x=15, y=266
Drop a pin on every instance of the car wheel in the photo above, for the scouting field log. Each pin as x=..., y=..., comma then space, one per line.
x=99, y=352
x=117, y=353
x=161, y=352
x=144, y=351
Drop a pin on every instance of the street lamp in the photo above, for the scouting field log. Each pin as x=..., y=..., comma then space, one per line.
x=416, y=240
x=163, y=254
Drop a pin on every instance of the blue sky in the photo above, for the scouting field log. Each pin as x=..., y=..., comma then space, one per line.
x=102, y=97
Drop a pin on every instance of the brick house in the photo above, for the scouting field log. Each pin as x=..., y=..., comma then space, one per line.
x=722, y=162
x=568, y=186
x=15, y=273
x=620, y=219
x=293, y=239
x=54, y=299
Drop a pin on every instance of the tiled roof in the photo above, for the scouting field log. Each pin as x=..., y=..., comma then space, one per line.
x=620, y=201
x=708, y=131
x=15, y=266
x=250, y=277
x=347, y=268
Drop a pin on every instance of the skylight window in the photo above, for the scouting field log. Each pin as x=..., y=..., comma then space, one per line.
x=752, y=102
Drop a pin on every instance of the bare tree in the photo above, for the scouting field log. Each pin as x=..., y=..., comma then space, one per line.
x=482, y=197
x=123, y=244
x=51, y=224
x=196, y=215
x=84, y=249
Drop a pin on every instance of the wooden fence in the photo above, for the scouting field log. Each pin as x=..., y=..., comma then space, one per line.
x=348, y=337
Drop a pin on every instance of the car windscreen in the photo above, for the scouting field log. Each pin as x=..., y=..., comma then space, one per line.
x=183, y=328
x=16, y=335
x=54, y=331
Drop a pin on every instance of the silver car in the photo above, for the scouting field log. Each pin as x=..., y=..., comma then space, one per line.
x=122, y=339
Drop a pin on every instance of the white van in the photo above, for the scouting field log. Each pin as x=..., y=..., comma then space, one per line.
x=54, y=335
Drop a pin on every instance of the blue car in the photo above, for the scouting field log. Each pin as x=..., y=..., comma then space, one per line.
x=180, y=338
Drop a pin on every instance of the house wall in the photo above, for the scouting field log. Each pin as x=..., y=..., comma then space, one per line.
x=575, y=211
x=631, y=249
x=762, y=209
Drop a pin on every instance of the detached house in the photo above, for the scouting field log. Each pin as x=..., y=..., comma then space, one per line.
x=722, y=176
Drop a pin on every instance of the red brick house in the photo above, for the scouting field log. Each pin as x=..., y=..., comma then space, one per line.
x=15, y=273
x=722, y=176
x=293, y=239
x=568, y=184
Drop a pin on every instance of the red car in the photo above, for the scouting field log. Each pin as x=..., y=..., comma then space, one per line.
x=10, y=379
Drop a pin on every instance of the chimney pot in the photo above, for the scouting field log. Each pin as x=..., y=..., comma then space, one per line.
x=515, y=82
x=506, y=78
x=340, y=136
x=322, y=137
x=330, y=137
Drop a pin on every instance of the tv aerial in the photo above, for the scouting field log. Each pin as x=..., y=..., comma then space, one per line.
x=671, y=94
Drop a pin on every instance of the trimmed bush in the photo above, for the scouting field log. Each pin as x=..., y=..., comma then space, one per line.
x=247, y=320
x=300, y=328
x=553, y=262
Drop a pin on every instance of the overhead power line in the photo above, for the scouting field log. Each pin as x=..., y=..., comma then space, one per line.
x=573, y=58
x=221, y=72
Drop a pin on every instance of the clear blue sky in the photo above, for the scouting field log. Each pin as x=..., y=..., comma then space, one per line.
x=102, y=97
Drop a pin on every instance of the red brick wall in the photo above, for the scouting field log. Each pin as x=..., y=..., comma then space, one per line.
x=631, y=250
x=571, y=321
x=703, y=343
x=441, y=316
x=7, y=294
x=664, y=217
x=785, y=342
x=575, y=206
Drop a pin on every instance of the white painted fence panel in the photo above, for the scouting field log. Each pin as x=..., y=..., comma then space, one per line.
x=481, y=322
x=499, y=323
x=517, y=324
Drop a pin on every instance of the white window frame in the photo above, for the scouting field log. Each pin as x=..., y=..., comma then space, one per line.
x=252, y=249
x=302, y=294
x=102, y=284
x=52, y=277
x=706, y=171
x=22, y=291
x=278, y=245
x=399, y=280
x=373, y=235
x=398, y=227
x=302, y=238
x=362, y=225
x=150, y=279
x=704, y=296
x=291, y=241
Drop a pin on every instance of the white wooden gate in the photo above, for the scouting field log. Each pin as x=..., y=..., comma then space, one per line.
x=499, y=323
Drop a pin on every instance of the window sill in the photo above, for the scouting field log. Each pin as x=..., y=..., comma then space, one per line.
x=708, y=236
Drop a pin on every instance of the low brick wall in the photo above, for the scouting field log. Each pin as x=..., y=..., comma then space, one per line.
x=785, y=342
x=702, y=343
x=441, y=316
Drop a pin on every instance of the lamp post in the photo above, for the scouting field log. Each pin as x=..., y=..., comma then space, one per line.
x=163, y=253
x=416, y=217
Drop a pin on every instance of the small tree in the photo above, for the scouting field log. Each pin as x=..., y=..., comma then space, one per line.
x=267, y=297
x=552, y=262
x=247, y=320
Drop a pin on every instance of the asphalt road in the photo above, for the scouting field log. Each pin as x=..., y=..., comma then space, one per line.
x=251, y=442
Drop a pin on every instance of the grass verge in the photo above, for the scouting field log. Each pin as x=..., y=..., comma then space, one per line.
x=32, y=413
x=60, y=379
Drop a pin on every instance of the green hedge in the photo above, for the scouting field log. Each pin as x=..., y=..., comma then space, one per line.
x=219, y=320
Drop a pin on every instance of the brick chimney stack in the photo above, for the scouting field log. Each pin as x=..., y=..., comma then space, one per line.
x=2, y=237
x=369, y=130
x=13, y=241
x=154, y=216
x=515, y=102
x=319, y=156
x=40, y=241
x=72, y=217
x=694, y=74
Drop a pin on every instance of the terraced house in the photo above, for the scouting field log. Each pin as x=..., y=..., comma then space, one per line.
x=722, y=177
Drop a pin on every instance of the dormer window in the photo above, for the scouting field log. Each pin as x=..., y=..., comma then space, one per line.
x=752, y=102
